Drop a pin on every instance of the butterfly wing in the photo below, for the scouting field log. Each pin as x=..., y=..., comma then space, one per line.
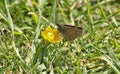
x=70, y=32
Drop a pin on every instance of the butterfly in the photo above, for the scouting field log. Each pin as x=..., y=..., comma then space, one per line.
x=69, y=32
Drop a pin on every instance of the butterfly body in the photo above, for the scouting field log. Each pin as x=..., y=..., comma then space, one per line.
x=69, y=32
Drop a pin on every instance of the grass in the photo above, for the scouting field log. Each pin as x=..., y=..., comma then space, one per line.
x=23, y=50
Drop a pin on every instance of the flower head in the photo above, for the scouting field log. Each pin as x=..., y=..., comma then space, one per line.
x=51, y=35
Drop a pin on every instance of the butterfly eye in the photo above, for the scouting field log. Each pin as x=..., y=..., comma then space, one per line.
x=60, y=28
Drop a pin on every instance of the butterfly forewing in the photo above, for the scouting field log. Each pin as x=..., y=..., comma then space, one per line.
x=69, y=32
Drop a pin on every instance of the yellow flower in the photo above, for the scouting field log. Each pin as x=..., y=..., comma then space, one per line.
x=51, y=35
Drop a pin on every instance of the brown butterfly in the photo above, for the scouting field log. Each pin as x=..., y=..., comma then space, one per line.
x=69, y=32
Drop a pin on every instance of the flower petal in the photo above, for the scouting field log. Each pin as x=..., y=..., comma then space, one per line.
x=51, y=35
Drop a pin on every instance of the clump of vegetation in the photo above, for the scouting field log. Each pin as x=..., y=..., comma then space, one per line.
x=30, y=42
